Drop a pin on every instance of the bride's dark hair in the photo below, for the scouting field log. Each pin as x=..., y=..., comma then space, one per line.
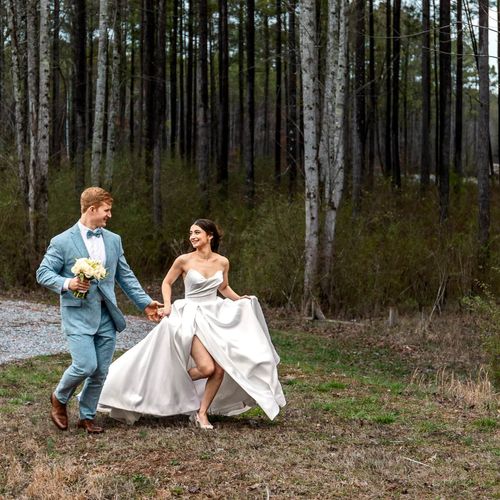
x=210, y=227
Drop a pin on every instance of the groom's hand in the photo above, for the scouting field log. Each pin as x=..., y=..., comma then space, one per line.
x=78, y=285
x=152, y=311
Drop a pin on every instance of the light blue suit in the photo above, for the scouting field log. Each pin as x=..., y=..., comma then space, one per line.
x=89, y=324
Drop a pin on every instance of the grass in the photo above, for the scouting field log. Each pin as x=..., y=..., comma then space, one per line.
x=358, y=424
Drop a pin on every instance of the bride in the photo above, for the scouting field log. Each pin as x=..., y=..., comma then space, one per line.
x=208, y=354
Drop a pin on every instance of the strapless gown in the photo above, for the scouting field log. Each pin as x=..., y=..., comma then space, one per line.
x=152, y=377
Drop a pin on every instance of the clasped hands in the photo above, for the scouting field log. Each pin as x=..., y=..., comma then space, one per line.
x=153, y=311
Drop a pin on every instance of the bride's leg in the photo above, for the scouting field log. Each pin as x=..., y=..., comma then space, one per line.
x=207, y=368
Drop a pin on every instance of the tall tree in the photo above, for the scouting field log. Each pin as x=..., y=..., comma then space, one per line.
x=388, y=85
x=396, y=33
x=267, y=72
x=241, y=78
x=444, y=107
x=16, y=19
x=372, y=108
x=114, y=99
x=223, y=121
x=310, y=99
x=360, y=112
x=425, y=159
x=250, y=109
x=292, y=125
x=39, y=62
x=483, y=136
x=57, y=116
x=277, y=130
x=98, y=134
x=161, y=104
x=173, y=76
x=459, y=95
x=190, y=87
x=333, y=131
x=202, y=142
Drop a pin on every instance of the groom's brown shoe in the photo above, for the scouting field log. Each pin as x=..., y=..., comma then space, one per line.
x=89, y=426
x=58, y=413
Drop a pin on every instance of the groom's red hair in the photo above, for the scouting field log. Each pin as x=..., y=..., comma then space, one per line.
x=94, y=196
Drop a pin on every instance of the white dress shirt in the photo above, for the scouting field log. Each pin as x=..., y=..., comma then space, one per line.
x=95, y=248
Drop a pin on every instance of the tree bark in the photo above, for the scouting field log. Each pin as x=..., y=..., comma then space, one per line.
x=425, y=159
x=19, y=93
x=250, y=109
x=358, y=166
x=173, y=78
x=202, y=144
x=444, y=108
x=223, y=160
x=372, y=110
x=459, y=97
x=388, y=96
x=114, y=102
x=292, y=127
x=277, y=114
x=310, y=99
x=97, y=136
x=396, y=166
x=483, y=182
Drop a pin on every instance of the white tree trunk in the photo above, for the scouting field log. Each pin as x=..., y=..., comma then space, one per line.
x=97, y=137
x=334, y=169
x=113, y=106
x=39, y=124
x=310, y=96
x=19, y=96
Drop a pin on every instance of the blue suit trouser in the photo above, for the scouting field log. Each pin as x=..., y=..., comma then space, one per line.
x=91, y=355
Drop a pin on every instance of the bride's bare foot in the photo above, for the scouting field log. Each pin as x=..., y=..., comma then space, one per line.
x=201, y=421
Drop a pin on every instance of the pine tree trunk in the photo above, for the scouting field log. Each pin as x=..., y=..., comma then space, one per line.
x=182, y=96
x=39, y=110
x=173, y=78
x=459, y=96
x=250, y=108
x=241, y=80
x=425, y=159
x=19, y=93
x=202, y=143
x=396, y=167
x=131, y=119
x=267, y=71
x=388, y=96
x=223, y=160
x=56, y=142
x=100, y=96
x=333, y=131
x=372, y=110
x=190, y=87
x=358, y=166
x=292, y=125
x=483, y=183
x=161, y=103
x=277, y=114
x=445, y=107
x=310, y=99
x=114, y=102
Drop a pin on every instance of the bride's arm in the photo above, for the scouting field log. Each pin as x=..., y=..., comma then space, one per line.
x=224, y=287
x=166, y=287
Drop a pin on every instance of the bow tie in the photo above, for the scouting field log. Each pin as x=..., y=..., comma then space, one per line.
x=97, y=233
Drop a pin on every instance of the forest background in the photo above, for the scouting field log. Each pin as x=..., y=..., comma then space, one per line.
x=190, y=109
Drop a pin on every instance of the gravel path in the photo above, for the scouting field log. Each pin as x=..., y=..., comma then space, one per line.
x=30, y=329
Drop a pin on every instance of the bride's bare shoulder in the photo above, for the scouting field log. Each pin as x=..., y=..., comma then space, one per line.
x=223, y=261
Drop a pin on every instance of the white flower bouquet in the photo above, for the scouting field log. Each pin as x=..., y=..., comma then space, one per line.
x=87, y=269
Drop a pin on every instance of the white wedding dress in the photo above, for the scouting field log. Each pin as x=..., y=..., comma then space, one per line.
x=152, y=378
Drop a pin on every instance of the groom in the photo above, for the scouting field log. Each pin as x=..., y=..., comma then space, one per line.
x=90, y=324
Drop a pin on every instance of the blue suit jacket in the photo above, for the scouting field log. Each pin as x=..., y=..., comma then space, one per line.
x=84, y=315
